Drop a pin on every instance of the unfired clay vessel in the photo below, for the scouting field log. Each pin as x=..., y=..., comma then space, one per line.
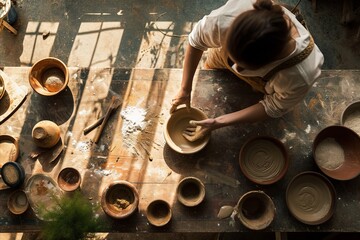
x=18, y=202
x=256, y=210
x=46, y=134
x=158, y=213
x=190, y=191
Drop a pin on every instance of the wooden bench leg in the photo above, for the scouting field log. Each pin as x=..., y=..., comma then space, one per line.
x=8, y=26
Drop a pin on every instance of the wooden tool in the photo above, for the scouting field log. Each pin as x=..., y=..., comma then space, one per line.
x=115, y=102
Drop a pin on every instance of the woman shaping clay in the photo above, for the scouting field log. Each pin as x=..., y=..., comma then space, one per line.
x=262, y=43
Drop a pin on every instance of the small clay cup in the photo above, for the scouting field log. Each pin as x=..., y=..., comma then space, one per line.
x=256, y=210
x=69, y=179
x=46, y=134
x=349, y=141
x=49, y=76
x=18, y=202
x=120, y=199
x=158, y=213
x=190, y=191
x=177, y=124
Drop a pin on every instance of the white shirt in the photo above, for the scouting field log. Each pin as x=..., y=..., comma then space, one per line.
x=288, y=86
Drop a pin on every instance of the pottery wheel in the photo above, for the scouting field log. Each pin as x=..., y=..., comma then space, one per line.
x=310, y=198
x=262, y=160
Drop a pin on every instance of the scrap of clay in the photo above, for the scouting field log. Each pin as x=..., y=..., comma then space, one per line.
x=225, y=212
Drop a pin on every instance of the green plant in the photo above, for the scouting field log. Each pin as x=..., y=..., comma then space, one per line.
x=72, y=219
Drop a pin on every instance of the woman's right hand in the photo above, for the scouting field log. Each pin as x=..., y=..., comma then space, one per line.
x=182, y=97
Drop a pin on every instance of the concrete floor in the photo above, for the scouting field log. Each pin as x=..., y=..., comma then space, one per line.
x=149, y=34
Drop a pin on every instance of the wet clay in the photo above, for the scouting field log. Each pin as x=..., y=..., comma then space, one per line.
x=53, y=79
x=310, y=198
x=329, y=154
x=262, y=160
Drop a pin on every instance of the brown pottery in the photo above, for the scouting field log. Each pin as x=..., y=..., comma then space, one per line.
x=46, y=134
x=158, y=213
x=190, y=191
x=69, y=179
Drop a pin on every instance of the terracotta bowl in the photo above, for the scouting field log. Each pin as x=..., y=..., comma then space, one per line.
x=49, y=76
x=120, y=199
x=256, y=210
x=176, y=124
x=9, y=149
x=190, y=191
x=336, y=151
x=18, y=202
x=13, y=174
x=158, y=213
x=69, y=179
x=263, y=160
x=350, y=117
x=310, y=198
x=2, y=87
x=46, y=134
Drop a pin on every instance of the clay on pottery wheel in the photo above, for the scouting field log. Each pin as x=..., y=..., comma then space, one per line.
x=18, y=202
x=175, y=126
x=46, y=134
x=69, y=179
x=263, y=160
x=256, y=210
x=120, y=199
x=158, y=213
x=336, y=151
x=190, y=191
x=310, y=198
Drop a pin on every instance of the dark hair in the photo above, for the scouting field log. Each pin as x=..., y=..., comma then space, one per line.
x=257, y=36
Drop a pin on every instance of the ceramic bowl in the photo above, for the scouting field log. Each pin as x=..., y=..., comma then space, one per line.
x=49, y=76
x=256, y=210
x=190, y=191
x=69, y=179
x=18, y=202
x=9, y=149
x=158, y=213
x=120, y=199
x=350, y=117
x=46, y=134
x=13, y=174
x=176, y=124
x=2, y=87
x=336, y=151
x=263, y=160
x=310, y=198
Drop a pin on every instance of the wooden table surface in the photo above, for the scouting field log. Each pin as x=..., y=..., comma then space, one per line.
x=133, y=148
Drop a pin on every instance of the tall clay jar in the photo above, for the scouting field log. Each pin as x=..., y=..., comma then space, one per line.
x=46, y=134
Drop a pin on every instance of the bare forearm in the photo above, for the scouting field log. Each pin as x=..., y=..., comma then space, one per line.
x=192, y=59
x=252, y=114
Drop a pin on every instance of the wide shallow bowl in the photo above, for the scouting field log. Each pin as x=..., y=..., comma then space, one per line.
x=336, y=151
x=310, y=198
x=263, y=160
x=2, y=87
x=120, y=199
x=69, y=179
x=256, y=210
x=190, y=191
x=158, y=213
x=350, y=117
x=9, y=149
x=49, y=76
x=175, y=126
x=17, y=202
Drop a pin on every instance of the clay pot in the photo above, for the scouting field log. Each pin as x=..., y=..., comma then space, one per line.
x=350, y=117
x=158, y=213
x=255, y=210
x=46, y=134
x=336, y=151
x=175, y=126
x=49, y=76
x=190, y=191
x=18, y=202
x=9, y=149
x=2, y=87
x=69, y=179
x=13, y=174
x=310, y=198
x=263, y=160
x=120, y=199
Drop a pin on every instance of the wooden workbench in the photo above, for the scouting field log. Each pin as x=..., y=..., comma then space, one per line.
x=137, y=152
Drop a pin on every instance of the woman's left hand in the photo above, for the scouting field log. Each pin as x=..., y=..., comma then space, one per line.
x=199, y=129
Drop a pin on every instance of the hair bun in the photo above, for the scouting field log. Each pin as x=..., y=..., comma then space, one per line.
x=263, y=5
